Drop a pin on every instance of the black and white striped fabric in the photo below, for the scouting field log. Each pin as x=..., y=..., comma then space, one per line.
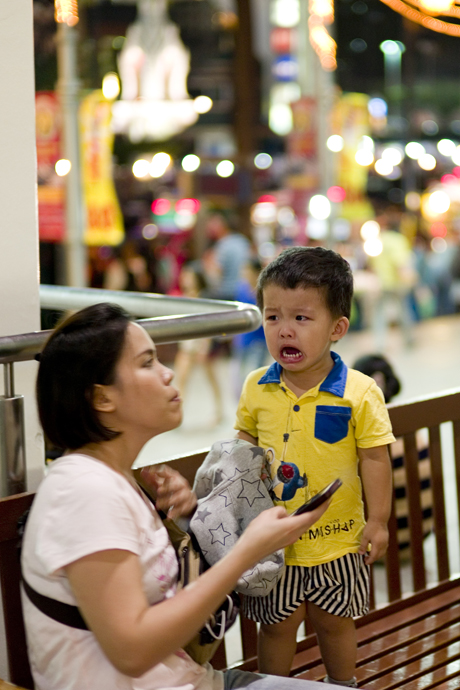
x=340, y=587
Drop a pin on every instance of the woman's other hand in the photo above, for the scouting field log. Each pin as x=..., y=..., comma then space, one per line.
x=274, y=529
x=173, y=493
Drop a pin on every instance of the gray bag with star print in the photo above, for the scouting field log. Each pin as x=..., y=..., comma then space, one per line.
x=232, y=487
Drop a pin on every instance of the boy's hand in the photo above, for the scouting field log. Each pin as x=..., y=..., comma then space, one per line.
x=375, y=534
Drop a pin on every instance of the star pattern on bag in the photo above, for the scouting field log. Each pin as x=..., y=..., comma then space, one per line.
x=225, y=495
x=217, y=535
x=250, y=491
x=228, y=446
x=237, y=474
x=252, y=579
x=202, y=514
x=205, y=484
x=268, y=580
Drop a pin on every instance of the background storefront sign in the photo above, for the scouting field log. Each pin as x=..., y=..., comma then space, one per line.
x=350, y=119
x=104, y=221
x=51, y=187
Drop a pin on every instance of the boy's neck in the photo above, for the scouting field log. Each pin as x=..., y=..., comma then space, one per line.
x=301, y=382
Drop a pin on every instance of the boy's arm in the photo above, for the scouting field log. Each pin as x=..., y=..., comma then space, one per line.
x=244, y=436
x=376, y=475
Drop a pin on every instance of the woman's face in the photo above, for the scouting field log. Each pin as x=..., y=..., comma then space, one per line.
x=144, y=400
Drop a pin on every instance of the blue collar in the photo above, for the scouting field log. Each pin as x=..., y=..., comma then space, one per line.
x=334, y=382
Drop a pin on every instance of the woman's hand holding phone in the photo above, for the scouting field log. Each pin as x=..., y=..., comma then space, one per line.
x=319, y=498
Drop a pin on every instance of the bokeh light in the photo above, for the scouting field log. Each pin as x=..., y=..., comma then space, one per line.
x=149, y=231
x=160, y=207
x=336, y=194
x=392, y=155
x=225, y=168
x=141, y=168
x=62, y=167
x=364, y=157
x=285, y=216
x=369, y=230
x=319, y=207
x=427, y=161
x=160, y=163
x=412, y=201
x=263, y=161
x=383, y=167
x=373, y=246
x=110, y=86
x=438, y=245
x=438, y=203
x=414, y=150
x=190, y=163
x=446, y=147
x=335, y=143
x=438, y=229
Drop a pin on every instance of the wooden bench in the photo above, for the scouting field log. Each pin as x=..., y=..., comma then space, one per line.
x=410, y=639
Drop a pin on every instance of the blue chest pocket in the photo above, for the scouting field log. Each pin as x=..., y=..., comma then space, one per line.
x=331, y=423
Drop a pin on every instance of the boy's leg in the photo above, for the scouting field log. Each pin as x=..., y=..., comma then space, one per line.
x=277, y=644
x=337, y=642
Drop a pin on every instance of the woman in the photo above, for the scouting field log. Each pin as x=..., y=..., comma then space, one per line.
x=92, y=541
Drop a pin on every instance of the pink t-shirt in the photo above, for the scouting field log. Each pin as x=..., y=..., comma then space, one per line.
x=82, y=507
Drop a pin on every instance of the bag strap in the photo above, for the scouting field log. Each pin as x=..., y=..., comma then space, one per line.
x=67, y=614
x=57, y=610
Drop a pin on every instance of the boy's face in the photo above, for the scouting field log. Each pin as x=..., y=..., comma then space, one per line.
x=299, y=329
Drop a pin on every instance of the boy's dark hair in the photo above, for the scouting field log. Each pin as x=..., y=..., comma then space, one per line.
x=307, y=267
x=81, y=352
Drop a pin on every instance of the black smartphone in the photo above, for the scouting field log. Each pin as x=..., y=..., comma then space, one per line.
x=319, y=498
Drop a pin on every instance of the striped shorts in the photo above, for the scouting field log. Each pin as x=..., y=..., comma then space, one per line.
x=340, y=587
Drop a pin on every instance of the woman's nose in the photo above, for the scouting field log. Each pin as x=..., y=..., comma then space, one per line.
x=168, y=374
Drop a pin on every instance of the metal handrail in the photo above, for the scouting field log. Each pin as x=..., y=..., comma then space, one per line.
x=174, y=318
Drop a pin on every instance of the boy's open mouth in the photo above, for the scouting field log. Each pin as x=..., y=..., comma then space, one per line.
x=291, y=353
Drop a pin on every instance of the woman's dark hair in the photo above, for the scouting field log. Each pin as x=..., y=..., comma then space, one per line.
x=81, y=352
x=372, y=364
x=307, y=267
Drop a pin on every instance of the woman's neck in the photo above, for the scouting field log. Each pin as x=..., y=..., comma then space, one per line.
x=115, y=453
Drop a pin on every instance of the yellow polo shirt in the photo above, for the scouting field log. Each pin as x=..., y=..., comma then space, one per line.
x=312, y=440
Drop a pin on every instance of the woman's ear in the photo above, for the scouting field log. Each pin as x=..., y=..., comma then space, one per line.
x=101, y=399
x=340, y=329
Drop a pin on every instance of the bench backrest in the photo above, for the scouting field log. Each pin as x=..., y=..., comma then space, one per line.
x=407, y=419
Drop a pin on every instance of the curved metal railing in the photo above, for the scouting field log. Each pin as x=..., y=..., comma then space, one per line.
x=170, y=318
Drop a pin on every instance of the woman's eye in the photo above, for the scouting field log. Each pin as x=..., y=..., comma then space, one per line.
x=149, y=363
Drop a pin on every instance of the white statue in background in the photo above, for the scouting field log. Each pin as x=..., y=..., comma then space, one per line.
x=153, y=63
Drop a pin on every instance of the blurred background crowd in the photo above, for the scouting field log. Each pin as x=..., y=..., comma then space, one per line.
x=182, y=144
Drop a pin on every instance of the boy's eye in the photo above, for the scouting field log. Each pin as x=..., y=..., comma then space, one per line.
x=301, y=317
x=272, y=317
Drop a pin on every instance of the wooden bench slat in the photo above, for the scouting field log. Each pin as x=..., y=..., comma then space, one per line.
x=420, y=414
x=453, y=682
x=439, y=514
x=415, y=511
x=393, y=576
x=391, y=642
x=437, y=661
x=404, y=654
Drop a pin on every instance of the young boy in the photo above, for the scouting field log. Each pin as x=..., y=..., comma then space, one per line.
x=320, y=421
